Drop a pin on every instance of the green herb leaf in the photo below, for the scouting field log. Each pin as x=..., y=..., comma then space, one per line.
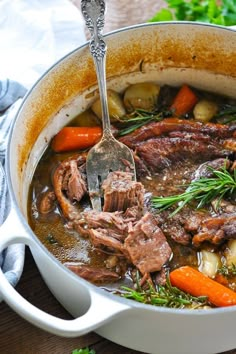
x=138, y=118
x=228, y=271
x=83, y=351
x=163, y=15
x=210, y=11
x=226, y=114
x=165, y=296
x=202, y=191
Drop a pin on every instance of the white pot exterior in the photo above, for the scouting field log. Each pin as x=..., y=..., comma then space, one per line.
x=201, y=55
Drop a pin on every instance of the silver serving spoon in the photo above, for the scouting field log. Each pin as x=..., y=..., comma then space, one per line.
x=109, y=154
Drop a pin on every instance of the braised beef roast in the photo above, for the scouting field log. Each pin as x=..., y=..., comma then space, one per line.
x=130, y=236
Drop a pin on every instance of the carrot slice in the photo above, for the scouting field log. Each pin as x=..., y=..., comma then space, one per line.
x=196, y=283
x=184, y=101
x=76, y=138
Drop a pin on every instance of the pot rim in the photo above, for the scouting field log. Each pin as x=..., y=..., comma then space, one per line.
x=87, y=284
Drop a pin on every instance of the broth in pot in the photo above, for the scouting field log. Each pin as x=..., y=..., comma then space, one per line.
x=158, y=238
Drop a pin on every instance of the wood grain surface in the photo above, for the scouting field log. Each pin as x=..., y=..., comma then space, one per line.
x=16, y=334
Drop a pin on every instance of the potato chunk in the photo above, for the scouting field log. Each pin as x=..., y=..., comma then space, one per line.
x=205, y=110
x=210, y=262
x=86, y=119
x=231, y=253
x=115, y=106
x=142, y=96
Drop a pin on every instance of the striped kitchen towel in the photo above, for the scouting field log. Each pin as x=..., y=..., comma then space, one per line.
x=11, y=93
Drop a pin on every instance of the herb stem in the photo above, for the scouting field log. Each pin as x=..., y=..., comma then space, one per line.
x=203, y=191
x=139, y=118
x=165, y=295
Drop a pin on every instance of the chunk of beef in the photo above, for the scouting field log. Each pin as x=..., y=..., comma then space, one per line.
x=229, y=228
x=160, y=153
x=179, y=234
x=141, y=168
x=107, y=229
x=47, y=202
x=114, y=222
x=76, y=186
x=174, y=227
x=230, y=144
x=110, y=239
x=92, y=274
x=147, y=246
x=160, y=277
x=69, y=184
x=193, y=222
x=122, y=192
x=168, y=125
x=216, y=230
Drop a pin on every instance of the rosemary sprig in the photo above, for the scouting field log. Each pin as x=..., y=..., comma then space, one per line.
x=166, y=296
x=138, y=118
x=203, y=191
x=227, y=114
x=228, y=271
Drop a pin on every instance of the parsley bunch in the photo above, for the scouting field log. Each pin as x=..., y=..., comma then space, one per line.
x=83, y=351
x=220, y=12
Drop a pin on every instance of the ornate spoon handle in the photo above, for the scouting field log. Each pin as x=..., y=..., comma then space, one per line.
x=93, y=12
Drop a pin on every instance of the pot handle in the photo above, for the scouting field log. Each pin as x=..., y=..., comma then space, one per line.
x=101, y=310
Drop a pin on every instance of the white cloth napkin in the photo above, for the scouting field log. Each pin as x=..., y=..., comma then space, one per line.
x=34, y=35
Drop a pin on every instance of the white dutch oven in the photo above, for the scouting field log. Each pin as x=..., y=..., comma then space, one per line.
x=169, y=53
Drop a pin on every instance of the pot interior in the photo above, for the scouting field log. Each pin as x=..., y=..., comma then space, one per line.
x=172, y=53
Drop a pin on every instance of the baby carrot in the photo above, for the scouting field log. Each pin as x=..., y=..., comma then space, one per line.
x=76, y=138
x=184, y=101
x=196, y=283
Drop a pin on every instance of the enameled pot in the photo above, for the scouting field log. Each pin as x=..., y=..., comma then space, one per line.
x=168, y=53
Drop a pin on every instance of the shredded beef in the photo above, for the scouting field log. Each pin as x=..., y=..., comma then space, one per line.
x=229, y=229
x=69, y=183
x=122, y=192
x=160, y=277
x=147, y=245
x=105, y=237
x=125, y=228
x=114, y=222
x=76, y=187
x=179, y=234
x=92, y=274
x=47, y=202
x=216, y=230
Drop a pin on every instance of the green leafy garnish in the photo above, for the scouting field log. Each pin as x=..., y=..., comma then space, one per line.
x=228, y=271
x=83, y=351
x=165, y=296
x=227, y=114
x=138, y=118
x=203, y=191
x=210, y=11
